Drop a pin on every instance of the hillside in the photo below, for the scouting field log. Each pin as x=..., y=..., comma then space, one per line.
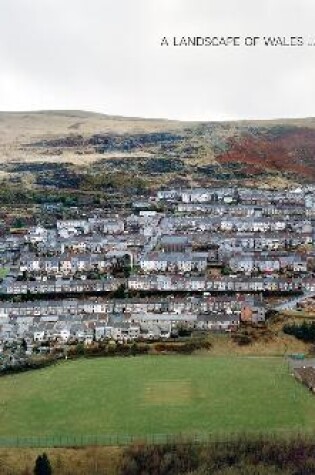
x=275, y=152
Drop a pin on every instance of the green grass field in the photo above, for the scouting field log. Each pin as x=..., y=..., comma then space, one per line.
x=155, y=394
x=3, y=272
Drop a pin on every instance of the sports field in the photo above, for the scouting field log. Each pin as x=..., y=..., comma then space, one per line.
x=155, y=394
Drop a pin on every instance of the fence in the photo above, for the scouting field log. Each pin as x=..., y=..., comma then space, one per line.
x=50, y=441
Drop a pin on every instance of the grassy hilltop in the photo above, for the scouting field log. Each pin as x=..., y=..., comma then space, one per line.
x=59, y=148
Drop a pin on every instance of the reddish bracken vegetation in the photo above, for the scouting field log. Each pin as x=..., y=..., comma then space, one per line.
x=290, y=150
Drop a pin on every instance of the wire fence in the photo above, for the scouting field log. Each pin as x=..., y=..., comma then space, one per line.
x=50, y=441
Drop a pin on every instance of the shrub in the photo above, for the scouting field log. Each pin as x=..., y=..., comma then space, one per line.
x=185, y=347
x=304, y=331
x=241, y=455
x=42, y=465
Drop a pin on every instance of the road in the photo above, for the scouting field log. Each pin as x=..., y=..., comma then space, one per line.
x=291, y=304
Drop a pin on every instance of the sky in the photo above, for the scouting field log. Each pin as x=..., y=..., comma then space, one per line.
x=106, y=56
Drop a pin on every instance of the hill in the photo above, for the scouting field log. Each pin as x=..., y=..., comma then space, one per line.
x=161, y=151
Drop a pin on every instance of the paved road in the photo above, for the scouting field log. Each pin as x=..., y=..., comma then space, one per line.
x=291, y=304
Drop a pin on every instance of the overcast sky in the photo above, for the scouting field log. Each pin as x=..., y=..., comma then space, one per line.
x=105, y=56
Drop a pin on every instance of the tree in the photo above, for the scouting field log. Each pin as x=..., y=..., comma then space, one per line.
x=134, y=349
x=24, y=344
x=19, y=223
x=80, y=349
x=226, y=270
x=42, y=465
x=120, y=292
x=127, y=272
